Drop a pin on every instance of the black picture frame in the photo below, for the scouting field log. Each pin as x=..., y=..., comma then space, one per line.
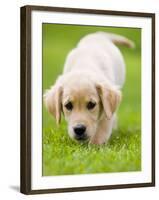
x=25, y=154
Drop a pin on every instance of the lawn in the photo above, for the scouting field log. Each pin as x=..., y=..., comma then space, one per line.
x=61, y=155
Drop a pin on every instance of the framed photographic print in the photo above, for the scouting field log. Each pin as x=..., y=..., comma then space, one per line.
x=87, y=99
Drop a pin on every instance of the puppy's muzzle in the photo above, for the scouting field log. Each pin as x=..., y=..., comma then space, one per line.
x=79, y=131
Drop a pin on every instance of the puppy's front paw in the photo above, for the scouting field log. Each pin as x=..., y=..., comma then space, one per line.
x=97, y=141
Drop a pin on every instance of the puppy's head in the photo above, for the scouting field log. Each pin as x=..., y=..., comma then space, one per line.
x=83, y=103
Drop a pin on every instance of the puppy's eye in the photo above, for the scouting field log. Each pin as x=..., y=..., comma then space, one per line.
x=91, y=105
x=69, y=106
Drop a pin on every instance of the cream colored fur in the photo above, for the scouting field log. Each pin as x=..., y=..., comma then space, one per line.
x=93, y=71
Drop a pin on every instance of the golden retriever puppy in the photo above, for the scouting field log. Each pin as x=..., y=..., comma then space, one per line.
x=88, y=92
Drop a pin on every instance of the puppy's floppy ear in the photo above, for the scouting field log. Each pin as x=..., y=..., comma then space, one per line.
x=53, y=101
x=110, y=98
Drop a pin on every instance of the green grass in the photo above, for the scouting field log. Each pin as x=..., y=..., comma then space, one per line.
x=61, y=155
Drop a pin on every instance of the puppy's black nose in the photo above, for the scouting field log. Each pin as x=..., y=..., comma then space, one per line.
x=79, y=129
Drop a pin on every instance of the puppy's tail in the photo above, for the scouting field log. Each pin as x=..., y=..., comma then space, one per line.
x=118, y=39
